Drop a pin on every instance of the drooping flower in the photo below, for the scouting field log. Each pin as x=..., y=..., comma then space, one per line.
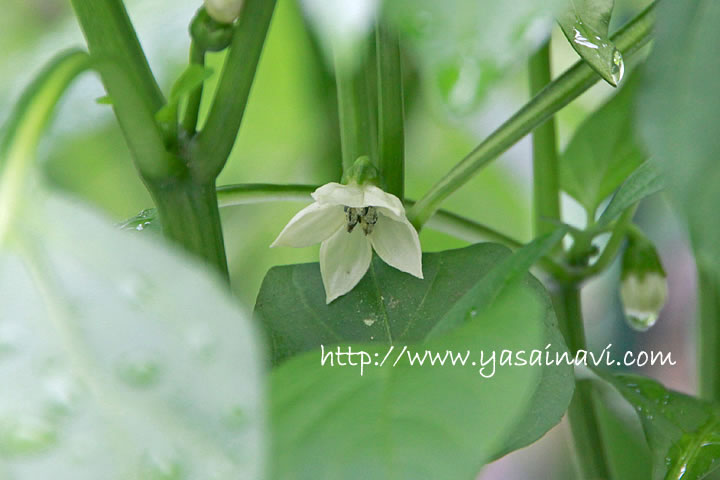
x=224, y=11
x=351, y=221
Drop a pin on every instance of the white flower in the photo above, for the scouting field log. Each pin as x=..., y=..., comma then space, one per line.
x=351, y=221
x=224, y=11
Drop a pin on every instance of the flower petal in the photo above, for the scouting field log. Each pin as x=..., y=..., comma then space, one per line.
x=377, y=197
x=338, y=194
x=358, y=196
x=311, y=225
x=397, y=243
x=344, y=260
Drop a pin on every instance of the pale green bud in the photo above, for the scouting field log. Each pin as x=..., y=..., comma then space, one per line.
x=643, y=289
x=224, y=11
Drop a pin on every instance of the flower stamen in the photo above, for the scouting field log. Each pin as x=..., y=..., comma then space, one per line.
x=367, y=217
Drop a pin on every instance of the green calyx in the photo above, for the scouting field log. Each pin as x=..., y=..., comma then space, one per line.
x=210, y=35
x=362, y=172
x=641, y=258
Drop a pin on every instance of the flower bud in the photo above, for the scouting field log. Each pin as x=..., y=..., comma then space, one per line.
x=224, y=11
x=643, y=288
x=208, y=34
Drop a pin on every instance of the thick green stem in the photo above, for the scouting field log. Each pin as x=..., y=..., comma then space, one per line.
x=709, y=331
x=192, y=113
x=546, y=186
x=190, y=216
x=549, y=101
x=582, y=413
x=391, y=122
x=128, y=80
x=211, y=148
x=357, y=133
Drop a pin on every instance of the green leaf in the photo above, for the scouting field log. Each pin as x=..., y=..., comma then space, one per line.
x=683, y=432
x=393, y=405
x=586, y=25
x=119, y=357
x=678, y=113
x=464, y=46
x=193, y=76
x=643, y=182
x=603, y=151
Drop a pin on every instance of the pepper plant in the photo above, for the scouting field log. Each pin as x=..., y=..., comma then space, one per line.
x=123, y=355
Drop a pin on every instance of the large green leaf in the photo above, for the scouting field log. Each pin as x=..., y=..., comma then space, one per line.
x=464, y=46
x=603, y=152
x=682, y=431
x=119, y=358
x=678, y=112
x=425, y=422
x=586, y=25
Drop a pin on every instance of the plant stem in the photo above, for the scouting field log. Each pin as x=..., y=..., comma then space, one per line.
x=190, y=216
x=582, y=413
x=354, y=109
x=128, y=80
x=192, y=113
x=549, y=101
x=391, y=122
x=613, y=246
x=546, y=186
x=709, y=330
x=211, y=148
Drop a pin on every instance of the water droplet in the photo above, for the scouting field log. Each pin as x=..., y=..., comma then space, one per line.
x=159, y=467
x=10, y=335
x=139, y=372
x=61, y=392
x=641, y=321
x=136, y=288
x=237, y=418
x=369, y=321
x=147, y=219
x=201, y=341
x=26, y=435
x=617, y=69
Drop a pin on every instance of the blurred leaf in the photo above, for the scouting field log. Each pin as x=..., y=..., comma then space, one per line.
x=465, y=45
x=683, y=432
x=473, y=286
x=107, y=370
x=603, y=151
x=642, y=183
x=678, y=113
x=586, y=25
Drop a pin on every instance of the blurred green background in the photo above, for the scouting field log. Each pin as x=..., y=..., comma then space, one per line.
x=289, y=135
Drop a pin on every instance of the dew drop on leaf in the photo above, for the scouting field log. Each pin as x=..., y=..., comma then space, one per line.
x=139, y=372
x=26, y=435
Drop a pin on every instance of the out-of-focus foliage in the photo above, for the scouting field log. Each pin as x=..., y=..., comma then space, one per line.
x=110, y=352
